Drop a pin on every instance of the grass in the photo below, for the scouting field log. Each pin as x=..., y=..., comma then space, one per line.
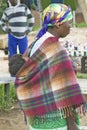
x=4, y=102
x=2, y=32
x=81, y=75
x=81, y=25
x=36, y=28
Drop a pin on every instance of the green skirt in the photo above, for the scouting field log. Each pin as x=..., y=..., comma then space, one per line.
x=51, y=121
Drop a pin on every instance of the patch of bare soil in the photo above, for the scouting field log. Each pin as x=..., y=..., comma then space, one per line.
x=14, y=120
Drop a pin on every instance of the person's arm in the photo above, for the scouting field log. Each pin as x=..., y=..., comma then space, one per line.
x=4, y=23
x=74, y=65
x=71, y=123
x=30, y=19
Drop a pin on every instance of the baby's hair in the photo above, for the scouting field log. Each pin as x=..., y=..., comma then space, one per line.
x=15, y=63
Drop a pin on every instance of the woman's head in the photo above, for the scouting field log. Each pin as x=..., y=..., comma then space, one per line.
x=63, y=29
x=55, y=15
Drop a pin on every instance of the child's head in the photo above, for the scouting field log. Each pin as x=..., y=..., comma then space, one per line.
x=15, y=63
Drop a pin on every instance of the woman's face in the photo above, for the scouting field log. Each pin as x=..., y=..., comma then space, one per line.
x=64, y=29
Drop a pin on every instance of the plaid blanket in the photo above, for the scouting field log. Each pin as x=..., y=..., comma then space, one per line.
x=47, y=81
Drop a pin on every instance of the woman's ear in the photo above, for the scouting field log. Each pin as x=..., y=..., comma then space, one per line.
x=57, y=25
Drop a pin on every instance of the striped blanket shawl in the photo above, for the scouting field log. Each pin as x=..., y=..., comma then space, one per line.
x=47, y=81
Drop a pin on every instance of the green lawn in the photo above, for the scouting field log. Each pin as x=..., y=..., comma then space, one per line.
x=81, y=75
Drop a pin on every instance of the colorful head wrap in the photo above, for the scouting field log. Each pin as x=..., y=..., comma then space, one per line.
x=54, y=14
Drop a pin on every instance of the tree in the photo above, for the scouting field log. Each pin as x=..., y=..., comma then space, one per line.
x=45, y=3
x=83, y=6
x=71, y=3
x=0, y=3
x=3, y=7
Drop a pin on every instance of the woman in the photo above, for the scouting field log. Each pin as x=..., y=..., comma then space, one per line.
x=46, y=84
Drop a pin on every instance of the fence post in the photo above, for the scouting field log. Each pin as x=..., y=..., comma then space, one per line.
x=84, y=64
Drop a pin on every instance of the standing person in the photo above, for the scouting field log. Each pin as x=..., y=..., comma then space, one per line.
x=17, y=20
x=46, y=84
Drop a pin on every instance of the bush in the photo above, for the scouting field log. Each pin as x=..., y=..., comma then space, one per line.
x=3, y=7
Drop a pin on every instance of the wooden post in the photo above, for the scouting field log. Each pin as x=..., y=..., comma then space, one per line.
x=6, y=91
x=74, y=18
x=40, y=9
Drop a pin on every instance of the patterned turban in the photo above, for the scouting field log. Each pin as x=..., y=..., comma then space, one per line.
x=54, y=14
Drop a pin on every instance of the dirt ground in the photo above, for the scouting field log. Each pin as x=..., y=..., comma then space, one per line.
x=13, y=119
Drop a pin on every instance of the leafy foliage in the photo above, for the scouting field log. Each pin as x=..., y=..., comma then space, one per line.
x=3, y=7
x=71, y=3
x=45, y=3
